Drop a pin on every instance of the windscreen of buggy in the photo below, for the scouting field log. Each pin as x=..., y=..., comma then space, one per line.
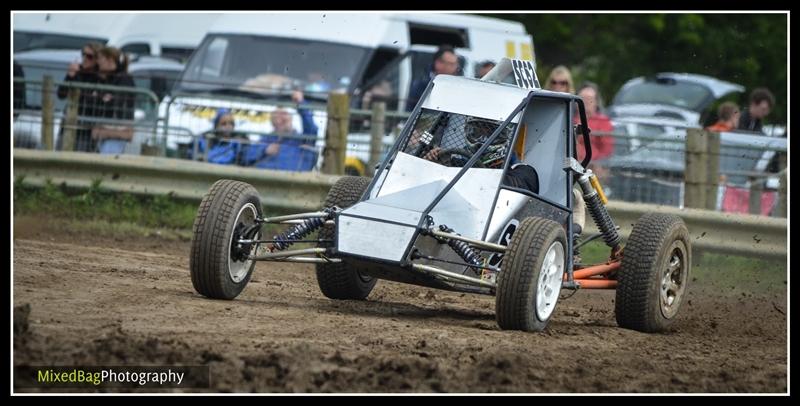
x=451, y=139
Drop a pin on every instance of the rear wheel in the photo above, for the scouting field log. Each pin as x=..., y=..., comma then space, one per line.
x=218, y=263
x=531, y=275
x=654, y=273
x=337, y=281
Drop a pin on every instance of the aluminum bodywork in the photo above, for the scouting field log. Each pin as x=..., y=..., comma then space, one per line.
x=410, y=186
x=386, y=233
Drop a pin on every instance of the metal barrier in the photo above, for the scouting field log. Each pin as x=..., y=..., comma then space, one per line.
x=726, y=233
x=165, y=176
x=716, y=232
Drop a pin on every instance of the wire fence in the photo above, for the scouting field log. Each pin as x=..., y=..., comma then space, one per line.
x=653, y=169
x=82, y=117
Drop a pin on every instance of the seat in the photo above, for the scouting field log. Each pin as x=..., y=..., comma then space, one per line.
x=522, y=176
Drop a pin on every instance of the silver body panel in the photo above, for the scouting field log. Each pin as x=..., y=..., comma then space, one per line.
x=413, y=183
x=372, y=238
x=385, y=212
x=509, y=203
x=409, y=188
x=455, y=94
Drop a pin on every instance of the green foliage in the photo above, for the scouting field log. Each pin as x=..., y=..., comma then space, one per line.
x=94, y=203
x=748, y=49
x=97, y=209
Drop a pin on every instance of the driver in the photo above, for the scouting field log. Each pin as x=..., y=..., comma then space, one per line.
x=470, y=138
x=478, y=131
x=519, y=175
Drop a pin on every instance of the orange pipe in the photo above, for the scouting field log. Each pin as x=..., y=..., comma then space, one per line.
x=594, y=270
x=597, y=283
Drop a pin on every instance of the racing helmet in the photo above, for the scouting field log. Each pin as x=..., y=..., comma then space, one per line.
x=478, y=131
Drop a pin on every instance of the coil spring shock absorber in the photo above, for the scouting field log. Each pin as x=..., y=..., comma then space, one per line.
x=463, y=249
x=598, y=210
x=308, y=226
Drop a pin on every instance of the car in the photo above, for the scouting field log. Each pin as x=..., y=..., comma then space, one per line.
x=670, y=99
x=150, y=73
x=448, y=209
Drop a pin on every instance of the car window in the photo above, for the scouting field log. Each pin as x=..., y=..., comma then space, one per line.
x=158, y=81
x=685, y=95
x=35, y=71
x=181, y=54
x=138, y=48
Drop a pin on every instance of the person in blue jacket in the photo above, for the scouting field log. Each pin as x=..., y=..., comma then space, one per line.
x=225, y=149
x=285, y=149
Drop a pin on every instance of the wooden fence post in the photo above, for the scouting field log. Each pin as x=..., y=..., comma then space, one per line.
x=696, y=172
x=376, y=141
x=333, y=155
x=70, y=125
x=47, y=113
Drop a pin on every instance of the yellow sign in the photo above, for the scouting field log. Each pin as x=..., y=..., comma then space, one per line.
x=208, y=113
x=511, y=50
x=527, y=54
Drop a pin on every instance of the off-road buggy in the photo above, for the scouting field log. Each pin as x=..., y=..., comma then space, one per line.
x=476, y=195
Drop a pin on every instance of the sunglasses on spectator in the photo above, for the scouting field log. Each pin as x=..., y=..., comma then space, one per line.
x=226, y=122
x=559, y=82
x=87, y=55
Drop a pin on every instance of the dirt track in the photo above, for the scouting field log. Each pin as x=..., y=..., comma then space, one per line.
x=95, y=301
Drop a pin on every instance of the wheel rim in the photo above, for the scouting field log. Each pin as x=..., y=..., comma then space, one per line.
x=673, y=279
x=550, y=278
x=246, y=217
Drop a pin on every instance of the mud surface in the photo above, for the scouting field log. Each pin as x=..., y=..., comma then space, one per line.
x=112, y=302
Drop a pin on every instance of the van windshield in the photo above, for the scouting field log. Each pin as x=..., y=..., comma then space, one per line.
x=272, y=65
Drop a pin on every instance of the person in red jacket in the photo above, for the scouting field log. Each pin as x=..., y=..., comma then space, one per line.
x=599, y=124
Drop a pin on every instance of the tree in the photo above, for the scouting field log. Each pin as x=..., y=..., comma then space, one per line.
x=609, y=49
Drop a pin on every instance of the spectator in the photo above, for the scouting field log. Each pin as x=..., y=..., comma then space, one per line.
x=84, y=72
x=445, y=62
x=284, y=149
x=484, y=68
x=381, y=91
x=761, y=103
x=728, y=113
x=560, y=80
x=599, y=123
x=116, y=105
x=224, y=148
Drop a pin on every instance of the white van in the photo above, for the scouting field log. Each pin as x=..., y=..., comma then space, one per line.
x=169, y=35
x=248, y=61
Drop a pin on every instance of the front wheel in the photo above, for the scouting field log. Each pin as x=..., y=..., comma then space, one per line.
x=654, y=273
x=219, y=265
x=531, y=275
